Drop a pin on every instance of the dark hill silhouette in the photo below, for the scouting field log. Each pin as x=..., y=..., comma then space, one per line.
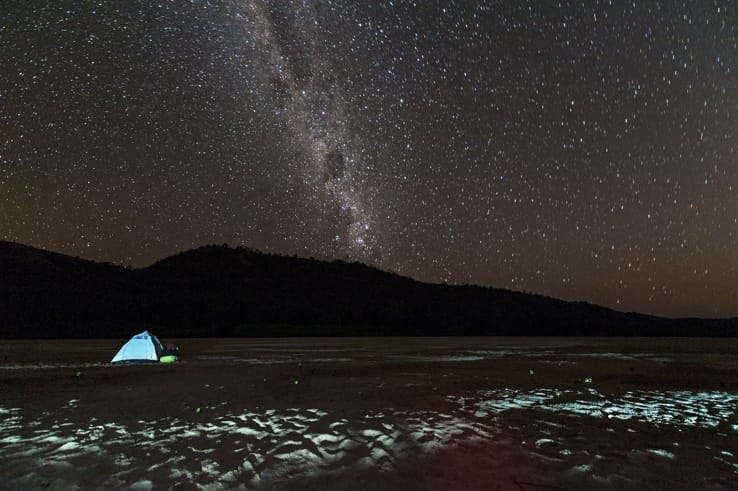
x=219, y=291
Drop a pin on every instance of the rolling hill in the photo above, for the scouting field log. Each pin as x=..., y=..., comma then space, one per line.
x=221, y=291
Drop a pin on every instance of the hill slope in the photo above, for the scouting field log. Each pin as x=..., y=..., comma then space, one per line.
x=218, y=291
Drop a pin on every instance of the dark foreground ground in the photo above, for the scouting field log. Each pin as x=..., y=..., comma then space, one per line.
x=373, y=413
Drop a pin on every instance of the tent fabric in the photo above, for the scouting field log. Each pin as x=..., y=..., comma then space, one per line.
x=143, y=346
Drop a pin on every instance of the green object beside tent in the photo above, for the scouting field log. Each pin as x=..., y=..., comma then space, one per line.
x=168, y=359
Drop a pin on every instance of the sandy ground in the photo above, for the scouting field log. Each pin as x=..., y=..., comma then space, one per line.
x=382, y=413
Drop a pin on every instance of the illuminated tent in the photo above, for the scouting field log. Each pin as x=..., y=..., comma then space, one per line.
x=143, y=347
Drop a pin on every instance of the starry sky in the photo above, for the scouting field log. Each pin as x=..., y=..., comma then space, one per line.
x=584, y=150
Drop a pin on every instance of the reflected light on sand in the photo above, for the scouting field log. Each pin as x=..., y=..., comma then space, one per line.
x=688, y=408
x=273, y=445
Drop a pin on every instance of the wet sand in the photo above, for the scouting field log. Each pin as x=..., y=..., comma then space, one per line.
x=373, y=413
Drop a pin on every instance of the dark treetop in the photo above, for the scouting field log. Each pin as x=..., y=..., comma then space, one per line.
x=218, y=291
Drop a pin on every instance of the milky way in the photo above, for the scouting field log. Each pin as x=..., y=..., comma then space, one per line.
x=308, y=97
x=583, y=150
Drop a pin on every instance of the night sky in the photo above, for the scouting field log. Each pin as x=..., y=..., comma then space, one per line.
x=583, y=150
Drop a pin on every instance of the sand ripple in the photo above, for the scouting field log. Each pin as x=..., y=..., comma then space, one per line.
x=251, y=448
x=686, y=408
x=257, y=449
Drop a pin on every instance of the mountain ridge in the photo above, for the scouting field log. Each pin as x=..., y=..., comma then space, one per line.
x=221, y=291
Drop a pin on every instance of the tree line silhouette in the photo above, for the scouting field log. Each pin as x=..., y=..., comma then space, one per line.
x=217, y=291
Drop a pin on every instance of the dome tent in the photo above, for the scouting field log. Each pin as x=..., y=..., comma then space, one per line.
x=143, y=347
